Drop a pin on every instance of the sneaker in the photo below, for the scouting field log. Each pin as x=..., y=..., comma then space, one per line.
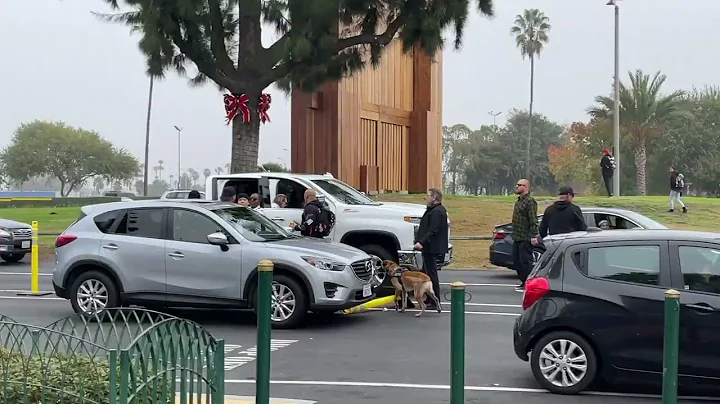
x=521, y=288
x=671, y=210
x=684, y=209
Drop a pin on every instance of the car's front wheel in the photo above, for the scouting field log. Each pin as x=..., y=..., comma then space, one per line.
x=92, y=292
x=12, y=257
x=289, y=302
x=563, y=363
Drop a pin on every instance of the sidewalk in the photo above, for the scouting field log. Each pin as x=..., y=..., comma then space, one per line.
x=249, y=400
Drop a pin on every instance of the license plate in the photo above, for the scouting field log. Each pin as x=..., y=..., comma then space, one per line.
x=25, y=244
x=367, y=290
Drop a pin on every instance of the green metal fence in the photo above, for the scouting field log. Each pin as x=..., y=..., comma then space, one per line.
x=122, y=356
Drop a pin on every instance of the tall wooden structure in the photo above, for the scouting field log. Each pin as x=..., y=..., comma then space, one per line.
x=380, y=129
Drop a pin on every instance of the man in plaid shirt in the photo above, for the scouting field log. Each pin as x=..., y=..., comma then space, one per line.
x=525, y=231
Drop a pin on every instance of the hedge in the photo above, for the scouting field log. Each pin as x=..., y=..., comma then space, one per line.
x=64, y=378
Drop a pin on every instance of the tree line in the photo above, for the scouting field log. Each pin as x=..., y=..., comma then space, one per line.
x=56, y=156
x=657, y=130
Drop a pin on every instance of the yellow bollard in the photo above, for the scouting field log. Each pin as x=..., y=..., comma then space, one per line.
x=34, y=261
x=379, y=302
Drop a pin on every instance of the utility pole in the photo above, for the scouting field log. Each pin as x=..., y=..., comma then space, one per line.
x=494, y=115
x=147, y=138
x=178, y=167
x=616, y=103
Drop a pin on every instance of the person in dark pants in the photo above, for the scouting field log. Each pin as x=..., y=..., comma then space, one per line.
x=432, y=239
x=525, y=231
x=563, y=216
x=607, y=165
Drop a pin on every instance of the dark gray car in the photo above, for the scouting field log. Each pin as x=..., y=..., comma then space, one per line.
x=604, y=218
x=15, y=240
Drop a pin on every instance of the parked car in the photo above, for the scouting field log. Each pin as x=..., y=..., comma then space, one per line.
x=15, y=240
x=501, y=246
x=180, y=194
x=594, y=309
x=383, y=229
x=201, y=254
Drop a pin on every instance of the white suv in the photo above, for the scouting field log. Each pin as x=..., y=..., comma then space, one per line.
x=383, y=229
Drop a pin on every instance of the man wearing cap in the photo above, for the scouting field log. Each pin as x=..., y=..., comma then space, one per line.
x=563, y=216
x=607, y=165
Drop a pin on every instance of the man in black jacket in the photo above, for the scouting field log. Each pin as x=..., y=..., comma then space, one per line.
x=308, y=226
x=607, y=165
x=563, y=216
x=432, y=239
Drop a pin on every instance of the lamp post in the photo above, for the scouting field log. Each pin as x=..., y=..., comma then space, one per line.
x=616, y=103
x=494, y=115
x=178, y=167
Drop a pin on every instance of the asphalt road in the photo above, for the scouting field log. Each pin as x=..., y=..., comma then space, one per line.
x=363, y=357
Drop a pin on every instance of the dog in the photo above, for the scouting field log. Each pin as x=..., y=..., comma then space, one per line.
x=405, y=280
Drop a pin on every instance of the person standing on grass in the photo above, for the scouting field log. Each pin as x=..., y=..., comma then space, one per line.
x=525, y=231
x=677, y=184
x=432, y=239
x=607, y=165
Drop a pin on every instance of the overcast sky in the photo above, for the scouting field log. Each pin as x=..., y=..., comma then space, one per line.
x=61, y=63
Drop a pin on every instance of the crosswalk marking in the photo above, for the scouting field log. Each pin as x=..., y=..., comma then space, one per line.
x=243, y=357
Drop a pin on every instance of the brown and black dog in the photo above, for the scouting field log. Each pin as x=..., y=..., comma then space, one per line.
x=417, y=282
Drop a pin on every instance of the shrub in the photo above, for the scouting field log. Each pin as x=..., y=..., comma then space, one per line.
x=60, y=378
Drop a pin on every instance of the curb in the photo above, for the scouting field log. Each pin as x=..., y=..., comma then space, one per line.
x=246, y=400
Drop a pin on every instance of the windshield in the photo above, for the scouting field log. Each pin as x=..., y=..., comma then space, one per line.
x=645, y=221
x=252, y=225
x=343, y=192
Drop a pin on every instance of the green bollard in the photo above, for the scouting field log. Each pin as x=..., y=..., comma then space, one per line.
x=671, y=347
x=264, y=307
x=457, y=343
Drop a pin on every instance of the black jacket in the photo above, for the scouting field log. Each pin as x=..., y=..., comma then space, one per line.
x=562, y=217
x=311, y=214
x=674, y=182
x=606, y=165
x=433, y=230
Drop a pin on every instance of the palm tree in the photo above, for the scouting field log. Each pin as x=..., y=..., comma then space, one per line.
x=160, y=168
x=644, y=114
x=531, y=35
x=207, y=173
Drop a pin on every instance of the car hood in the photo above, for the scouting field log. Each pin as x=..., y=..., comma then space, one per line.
x=407, y=209
x=11, y=224
x=319, y=248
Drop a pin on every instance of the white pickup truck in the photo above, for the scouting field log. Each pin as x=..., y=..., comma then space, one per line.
x=384, y=229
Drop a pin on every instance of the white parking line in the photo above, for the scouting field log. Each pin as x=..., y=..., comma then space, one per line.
x=506, y=285
x=429, y=312
x=318, y=383
x=21, y=274
x=27, y=291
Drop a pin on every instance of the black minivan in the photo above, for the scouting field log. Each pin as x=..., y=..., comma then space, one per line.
x=593, y=309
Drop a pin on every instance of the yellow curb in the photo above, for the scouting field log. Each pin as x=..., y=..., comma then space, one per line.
x=243, y=400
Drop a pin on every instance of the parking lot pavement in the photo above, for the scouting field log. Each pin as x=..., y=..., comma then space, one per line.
x=373, y=355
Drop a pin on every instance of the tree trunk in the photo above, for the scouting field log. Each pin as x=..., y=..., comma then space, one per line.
x=246, y=139
x=640, y=164
x=147, y=138
x=530, y=117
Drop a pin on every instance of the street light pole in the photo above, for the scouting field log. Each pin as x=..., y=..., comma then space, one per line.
x=616, y=103
x=178, y=167
x=494, y=115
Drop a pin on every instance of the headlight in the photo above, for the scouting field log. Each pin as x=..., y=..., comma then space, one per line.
x=412, y=219
x=325, y=263
x=5, y=233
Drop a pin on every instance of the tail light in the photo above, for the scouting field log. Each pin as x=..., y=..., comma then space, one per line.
x=64, y=239
x=499, y=234
x=535, y=289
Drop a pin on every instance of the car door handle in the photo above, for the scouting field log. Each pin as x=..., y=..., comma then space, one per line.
x=277, y=219
x=110, y=246
x=176, y=254
x=701, y=307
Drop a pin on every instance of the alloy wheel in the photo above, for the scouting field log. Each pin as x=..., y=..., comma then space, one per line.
x=563, y=363
x=283, y=302
x=92, y=296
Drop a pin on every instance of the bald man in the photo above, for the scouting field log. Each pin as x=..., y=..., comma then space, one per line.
x=525, y=231
x=308, y=226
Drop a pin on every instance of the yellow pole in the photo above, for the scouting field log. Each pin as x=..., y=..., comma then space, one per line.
x=34, y=262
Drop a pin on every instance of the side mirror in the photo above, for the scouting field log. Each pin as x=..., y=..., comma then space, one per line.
x=217, y=238
x=289, y=229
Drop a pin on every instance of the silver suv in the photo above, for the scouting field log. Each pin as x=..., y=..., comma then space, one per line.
x=199, y=253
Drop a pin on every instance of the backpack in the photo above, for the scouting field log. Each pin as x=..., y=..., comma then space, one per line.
x=681, y=183
x=326, y=221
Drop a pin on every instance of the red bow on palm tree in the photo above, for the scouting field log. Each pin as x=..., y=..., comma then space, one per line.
x=235, y=104
x=263, y=107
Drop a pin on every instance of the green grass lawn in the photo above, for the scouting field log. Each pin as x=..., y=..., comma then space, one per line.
x=470, y=215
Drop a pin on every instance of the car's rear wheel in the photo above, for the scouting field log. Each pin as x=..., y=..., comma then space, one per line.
x=289, y=302
x=92, y=292
x=563, y=363
x=12, y=257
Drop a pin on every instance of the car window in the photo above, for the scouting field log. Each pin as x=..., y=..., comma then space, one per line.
x=105, y=221
x=192, y=227
x=636, y=264
x=171, y=195
x=253, y=226
x=700, y=267
x=294, y=191
x=146, y=223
